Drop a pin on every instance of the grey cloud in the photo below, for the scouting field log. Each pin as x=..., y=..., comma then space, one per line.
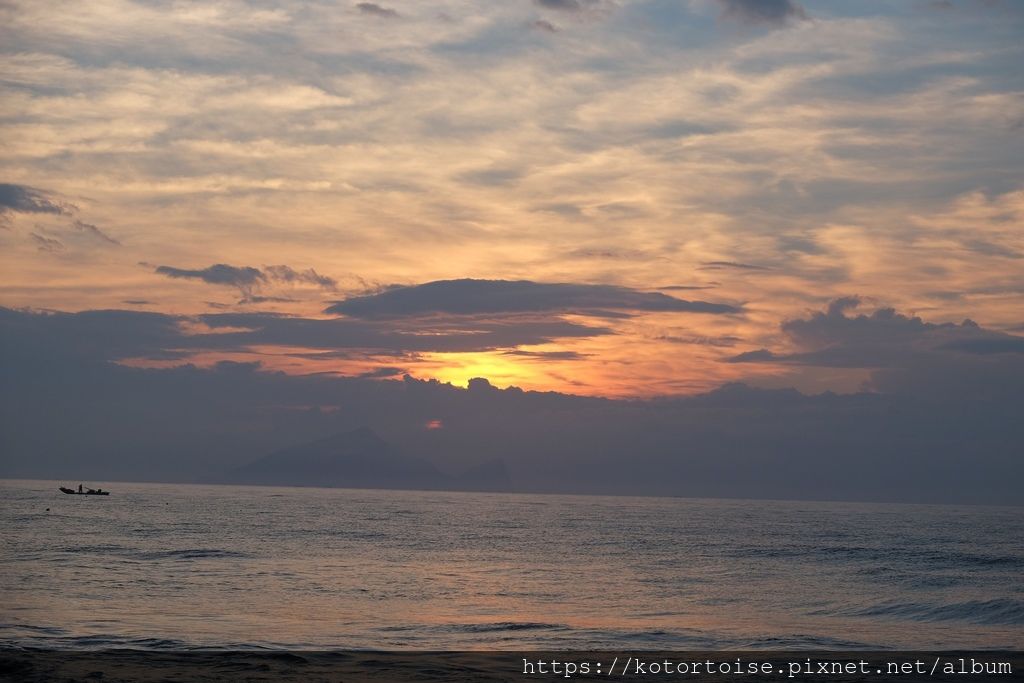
x=494, y=176
x=44, y=243
x=765, y=12
x=248, y=279
x=257, y=299
x=93, y=231
x=463, y=334
x=608, y=253
x=736, y=441
x=544, y=25
x=468, y=297
x=561, y=208
x=376, y=10
x=244, y=278
x=24, y=199
x=722, y=265
x=800, y=244
x=118, y=335
x=884, y=338
x=986, y=248
x=563, y=5
x=383, y=373
x=1001, y=344
x=572, y=6
x=904, y=353
x=548, y=355
x=308, y=276
x=720, y=341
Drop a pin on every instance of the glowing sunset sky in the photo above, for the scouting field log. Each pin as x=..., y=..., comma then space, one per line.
x=616, y=198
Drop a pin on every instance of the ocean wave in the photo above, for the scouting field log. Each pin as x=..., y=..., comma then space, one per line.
x=995, y=612
x=189, y=554
x=797, y=641
x=499, y=626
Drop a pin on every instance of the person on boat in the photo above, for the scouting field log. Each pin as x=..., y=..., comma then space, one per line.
x=79, y=488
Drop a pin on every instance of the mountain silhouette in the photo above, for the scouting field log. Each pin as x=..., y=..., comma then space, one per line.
x=355, y=459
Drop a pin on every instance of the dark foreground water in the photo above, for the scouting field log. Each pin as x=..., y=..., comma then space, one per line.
x=180, y=567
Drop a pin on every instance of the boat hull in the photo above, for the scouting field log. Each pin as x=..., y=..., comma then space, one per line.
x=72, y=492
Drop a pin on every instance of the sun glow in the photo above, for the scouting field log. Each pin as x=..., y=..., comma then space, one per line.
x=501, y=370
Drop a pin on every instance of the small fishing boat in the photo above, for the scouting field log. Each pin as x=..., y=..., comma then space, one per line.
x=86, y=492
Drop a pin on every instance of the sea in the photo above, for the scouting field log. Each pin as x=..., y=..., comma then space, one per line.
x=183, y=567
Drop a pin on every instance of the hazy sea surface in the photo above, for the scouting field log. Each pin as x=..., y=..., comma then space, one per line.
x=180, y=567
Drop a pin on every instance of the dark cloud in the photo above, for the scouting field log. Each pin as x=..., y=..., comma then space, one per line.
x=24, y=199
x=1000, y=344
x=723, y=265
x=245, y=278
x=248, y=280
x=562, y=5
x=133, y=334
x=470, y=297
x=720, y=341
x=308, y=276
x=804, y=245
x=986, y=248
x=763, y=12
x=44, y=243
x=883, y=338
x=904, y=353
x=196, y=424
x=495, y=176
x=610, y=253
x=93, y=231
x=435, y=334
x=572, y=6
x=258, y=299
x=383, y=373
x=376, y=10
x=544, y=25
x=548, y=355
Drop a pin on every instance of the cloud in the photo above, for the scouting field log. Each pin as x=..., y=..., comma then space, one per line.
x=248, y=279
x=47, y=243
x=883, y=338
x=464, y=334
x=1001, y=344
x=766, y=12
x=547, y=355
x=376, y=10
x=383, y=373
x=93, y=231
x=470, y=297
x=562, y=5
x=245, y=278
x=119, y=335
x=308, y=276
x=734, y=441
x=544, y=25
x=723, y=265
x=720, y=341
x=980, y=246
x=24, y=199
x=904, y=353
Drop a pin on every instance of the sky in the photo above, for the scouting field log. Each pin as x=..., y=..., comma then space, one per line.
x=610, y=199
